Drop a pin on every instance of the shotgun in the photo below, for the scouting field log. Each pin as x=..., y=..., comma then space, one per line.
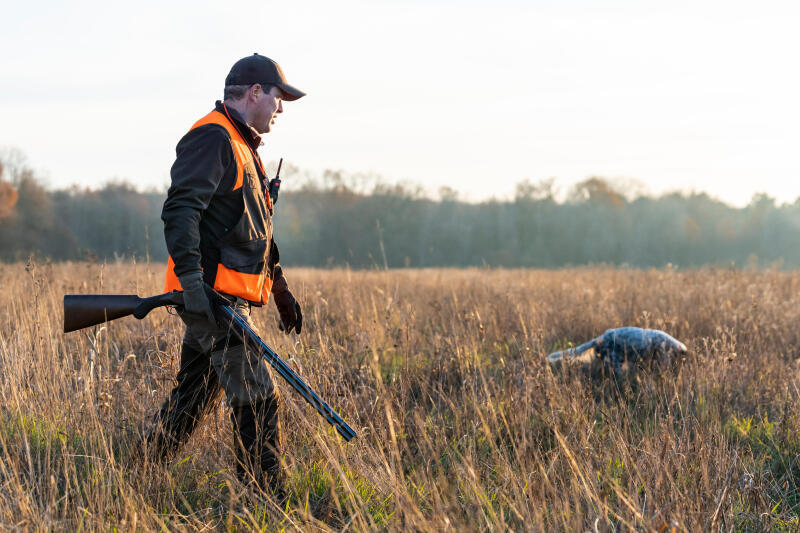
x=84, y=310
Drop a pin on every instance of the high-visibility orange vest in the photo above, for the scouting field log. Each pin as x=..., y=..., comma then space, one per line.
x=243, y=268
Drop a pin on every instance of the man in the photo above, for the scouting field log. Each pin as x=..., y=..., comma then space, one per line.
x=218, y=227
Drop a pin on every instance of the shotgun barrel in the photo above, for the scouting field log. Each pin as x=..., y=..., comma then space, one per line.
x=249, y=337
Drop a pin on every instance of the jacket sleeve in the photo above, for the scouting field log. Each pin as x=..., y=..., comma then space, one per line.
x=203, y=155
x=275, y=271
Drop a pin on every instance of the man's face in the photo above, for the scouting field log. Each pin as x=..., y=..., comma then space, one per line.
x=265, y=108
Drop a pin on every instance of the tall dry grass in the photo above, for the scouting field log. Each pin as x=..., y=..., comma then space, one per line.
x=460, y=424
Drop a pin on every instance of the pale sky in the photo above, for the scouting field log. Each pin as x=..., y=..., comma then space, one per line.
x=477, y=96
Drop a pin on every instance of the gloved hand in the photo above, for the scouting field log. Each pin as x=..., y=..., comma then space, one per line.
x=288, y=308
x=195, y=300
x=291, y=315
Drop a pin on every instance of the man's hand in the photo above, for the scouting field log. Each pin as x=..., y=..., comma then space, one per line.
x=288, y=308
x=291, y=315
x=195, y=300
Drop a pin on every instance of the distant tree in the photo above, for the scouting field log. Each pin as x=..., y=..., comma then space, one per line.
x=526, y=190
x=597, y=191
x=8, y=196
x=448, y=194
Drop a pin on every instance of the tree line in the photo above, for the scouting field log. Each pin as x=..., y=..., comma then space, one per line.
x=336, y=221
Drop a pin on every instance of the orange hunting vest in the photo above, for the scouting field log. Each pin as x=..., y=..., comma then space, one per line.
x=243, y=269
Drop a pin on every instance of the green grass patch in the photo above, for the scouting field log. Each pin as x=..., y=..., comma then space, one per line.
x=315, y=488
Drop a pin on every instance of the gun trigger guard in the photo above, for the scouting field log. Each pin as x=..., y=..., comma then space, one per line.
x=174, y=298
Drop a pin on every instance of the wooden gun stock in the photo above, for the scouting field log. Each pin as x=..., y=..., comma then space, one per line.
x=84, y=310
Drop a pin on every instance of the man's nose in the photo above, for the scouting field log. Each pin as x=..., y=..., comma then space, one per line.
x=280, y=106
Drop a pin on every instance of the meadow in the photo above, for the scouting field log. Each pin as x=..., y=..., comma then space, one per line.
x=461, y=426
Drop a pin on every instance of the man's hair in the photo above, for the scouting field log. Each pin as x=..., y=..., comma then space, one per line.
x=237, y=92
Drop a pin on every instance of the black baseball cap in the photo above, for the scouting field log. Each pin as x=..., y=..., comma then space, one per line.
x=261, y=69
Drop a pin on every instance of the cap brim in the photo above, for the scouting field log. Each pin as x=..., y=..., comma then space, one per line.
x=290, y=93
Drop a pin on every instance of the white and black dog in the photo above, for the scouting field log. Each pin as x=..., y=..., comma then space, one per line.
x=619, y=348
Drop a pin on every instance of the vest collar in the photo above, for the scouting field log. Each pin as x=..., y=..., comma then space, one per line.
x=250, y=135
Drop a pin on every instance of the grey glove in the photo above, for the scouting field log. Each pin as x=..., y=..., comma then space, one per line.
x=195, y=300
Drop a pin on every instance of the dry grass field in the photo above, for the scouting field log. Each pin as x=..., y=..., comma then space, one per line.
x=461, y=427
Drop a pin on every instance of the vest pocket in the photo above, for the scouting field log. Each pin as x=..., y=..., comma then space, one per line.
x=242, y=269
x=247, y=257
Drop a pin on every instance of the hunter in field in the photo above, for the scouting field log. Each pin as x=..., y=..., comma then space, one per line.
x=218, y=228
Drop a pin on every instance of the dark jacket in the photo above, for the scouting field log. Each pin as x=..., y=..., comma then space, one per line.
x=201, y=207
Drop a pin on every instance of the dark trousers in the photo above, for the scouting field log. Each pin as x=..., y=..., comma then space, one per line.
x=254, y=407
x=195, y=394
